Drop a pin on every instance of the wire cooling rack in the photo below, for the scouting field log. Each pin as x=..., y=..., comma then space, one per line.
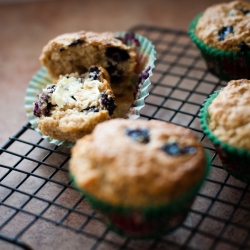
x=40, y=209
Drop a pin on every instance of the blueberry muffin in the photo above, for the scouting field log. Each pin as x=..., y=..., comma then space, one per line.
x=222, y=33
x=225, y=119
x=76, y=52
x=71, y=108
x=145, y=180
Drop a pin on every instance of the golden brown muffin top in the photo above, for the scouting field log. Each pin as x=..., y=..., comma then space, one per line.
x=226, y=26
x=80, y=37
x=137, y=163
x=84, y=47
x=230, y=114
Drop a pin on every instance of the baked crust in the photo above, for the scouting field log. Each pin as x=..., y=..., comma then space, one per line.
x=77, y=117
x=113, y=167
x=234, y=18
x=230, y=114
x=76, y=52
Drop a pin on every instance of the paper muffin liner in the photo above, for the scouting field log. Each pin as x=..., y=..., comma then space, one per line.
x=145, y=63
x=226, y=65
x=235, y=161
x=147, y=222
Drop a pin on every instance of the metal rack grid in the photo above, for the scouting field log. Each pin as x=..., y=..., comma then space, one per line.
x=35, y=188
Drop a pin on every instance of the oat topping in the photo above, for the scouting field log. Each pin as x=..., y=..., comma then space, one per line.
x=225, y=26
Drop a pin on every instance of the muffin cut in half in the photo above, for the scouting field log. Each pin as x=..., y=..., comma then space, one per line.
x=76, y=52
x=73, y=106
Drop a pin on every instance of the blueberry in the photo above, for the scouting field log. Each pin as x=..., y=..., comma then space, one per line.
x=43, y=102
x=190, y=150
x=141, y=79
x=117, y=54
x=74, y=43
x=140, y=135
x=94, y=73
x=144, y=75
x=47, y=109
x=94, y=69
x=92, y=109
x=243, y=47
x=108, y=103
x=51, y=88
x=244, y=11
x=115, y=73
x=174, y=149
x=116, y=78
x=37, y=111
x=42, y=97
x=129, y=39
x=223, y=32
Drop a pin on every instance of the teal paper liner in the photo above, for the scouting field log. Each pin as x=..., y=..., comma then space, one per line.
x=175, y=208
x=235, y=161
x=41, y=79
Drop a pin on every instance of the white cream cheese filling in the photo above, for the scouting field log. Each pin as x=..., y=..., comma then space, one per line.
x=72, y=89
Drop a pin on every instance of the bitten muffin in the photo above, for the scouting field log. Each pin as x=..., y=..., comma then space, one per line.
x=142, y=175
x=73, y=106
x=76, y=52
x=225, y=118
x=222, y=33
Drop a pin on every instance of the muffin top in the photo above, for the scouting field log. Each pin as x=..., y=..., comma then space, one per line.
x=230, y=114
x=226, y=26
x=77, y=51
x=137, y=163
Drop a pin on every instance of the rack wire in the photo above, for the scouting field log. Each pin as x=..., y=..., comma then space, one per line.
x=37, y=197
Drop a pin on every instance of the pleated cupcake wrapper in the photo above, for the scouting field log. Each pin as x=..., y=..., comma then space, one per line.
x=163, y=218
x=226, y=65
x=235, y=161
x=146, y=58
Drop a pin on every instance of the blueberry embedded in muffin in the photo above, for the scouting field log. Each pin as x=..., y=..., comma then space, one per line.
x=224, y=31
x=108, y=102
x=140, y=134
x=117, y=54
x=73, y=106
x=244, y=48
x=94, y=73
x=175, y=149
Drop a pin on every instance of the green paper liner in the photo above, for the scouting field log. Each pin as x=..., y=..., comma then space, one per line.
x=226, y=65
x=146, y=58
x=235, y=161
x=155, y=220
